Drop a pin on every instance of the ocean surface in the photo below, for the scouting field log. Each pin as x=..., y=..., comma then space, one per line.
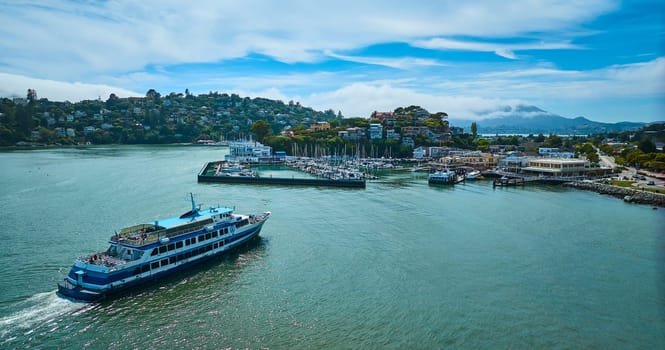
x=398, y=265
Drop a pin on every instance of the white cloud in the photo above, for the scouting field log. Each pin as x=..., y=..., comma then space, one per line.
x=361, y=99
x=74, y=40
x=503, y=50
x=488, y=94
x=12, y=85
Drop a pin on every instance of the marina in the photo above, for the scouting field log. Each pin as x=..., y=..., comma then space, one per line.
x=209, y=174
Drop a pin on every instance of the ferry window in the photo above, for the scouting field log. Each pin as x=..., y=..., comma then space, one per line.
x=172, y=260
x=214, y=234
x=201, y=238
x=181, y=257
x=187, y=241
x=221, y=244
x=208, y=248
x=226, y=230
x=165, y=262
x=188, y=254
x=145, y=268
x=195, y=252
x=155, y=265
x=154, y=252
x=162, y=249
x=214, y=246
x=178, y=244
x=208, y=235
x=171, y=246
x=137, y=270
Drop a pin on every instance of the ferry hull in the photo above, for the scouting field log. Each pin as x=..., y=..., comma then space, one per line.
x=68, y=290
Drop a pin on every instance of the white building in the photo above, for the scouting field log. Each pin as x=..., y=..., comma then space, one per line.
x=248, y=151
x=375, y=131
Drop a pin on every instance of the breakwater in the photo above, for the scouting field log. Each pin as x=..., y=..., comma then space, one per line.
x=282, y=181
x=628, y=194
x=207, y=175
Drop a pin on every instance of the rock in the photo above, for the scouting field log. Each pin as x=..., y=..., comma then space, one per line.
x=629, y=195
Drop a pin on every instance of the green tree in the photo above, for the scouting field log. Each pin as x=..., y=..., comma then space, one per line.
x=483, y=144
x=261, y=129
x=474, y=130
x=553, y=141
x=593, y=157
x=647, y=146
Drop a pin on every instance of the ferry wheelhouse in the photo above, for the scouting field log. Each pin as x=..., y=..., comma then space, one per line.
x=144, y=252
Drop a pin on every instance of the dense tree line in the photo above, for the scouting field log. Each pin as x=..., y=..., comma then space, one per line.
x=155, y=118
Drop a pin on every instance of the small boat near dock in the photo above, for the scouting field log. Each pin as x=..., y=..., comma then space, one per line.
x=508, y=181
x=474, y=175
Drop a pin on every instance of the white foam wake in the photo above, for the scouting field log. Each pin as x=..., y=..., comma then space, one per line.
x=41, y=308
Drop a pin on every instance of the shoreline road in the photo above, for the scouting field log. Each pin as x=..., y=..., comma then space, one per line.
x=651, y=180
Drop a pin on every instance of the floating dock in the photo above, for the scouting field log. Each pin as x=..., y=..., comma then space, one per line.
x=208, y=171
x=502, y=182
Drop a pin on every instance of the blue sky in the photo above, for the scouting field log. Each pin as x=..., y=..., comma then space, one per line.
x=601, y=59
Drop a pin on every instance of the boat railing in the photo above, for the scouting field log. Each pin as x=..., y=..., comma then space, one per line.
x=139, y=239
x=256, y=218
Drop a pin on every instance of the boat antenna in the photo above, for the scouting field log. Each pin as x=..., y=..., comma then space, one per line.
x=191, y=198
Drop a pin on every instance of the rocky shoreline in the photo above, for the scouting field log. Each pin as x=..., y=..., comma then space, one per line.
x=630, y=195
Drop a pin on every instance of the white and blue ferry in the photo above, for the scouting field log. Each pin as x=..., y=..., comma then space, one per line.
x=144, y=252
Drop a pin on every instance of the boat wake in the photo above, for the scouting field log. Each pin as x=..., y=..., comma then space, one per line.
x=42, y=309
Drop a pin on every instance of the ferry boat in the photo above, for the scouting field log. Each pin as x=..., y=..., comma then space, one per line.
x=144, y=252
x=446, y=177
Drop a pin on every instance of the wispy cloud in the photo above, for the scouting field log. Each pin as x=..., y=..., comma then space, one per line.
x=398, y=63
x=503, y=50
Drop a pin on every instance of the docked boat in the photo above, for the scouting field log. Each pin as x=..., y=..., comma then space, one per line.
x=508, y=181
x=474, y=175
x=445, y=177
x=225, y=168
x=141, y=253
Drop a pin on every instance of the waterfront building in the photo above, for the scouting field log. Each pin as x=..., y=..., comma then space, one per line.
x=320, y=126
x=387, y=118
x=352, y=134
x=248, y=152
x=554, y=152
x=558, y=167
x=392, y=135
x=420, y=153
x=412, y=131
x=512, y=162
x=375, y=131
x=408, y=141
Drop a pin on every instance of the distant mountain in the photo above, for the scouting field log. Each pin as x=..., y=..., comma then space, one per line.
x=533, y=120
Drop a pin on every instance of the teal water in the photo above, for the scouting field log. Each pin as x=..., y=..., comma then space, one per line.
x=398, y=265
